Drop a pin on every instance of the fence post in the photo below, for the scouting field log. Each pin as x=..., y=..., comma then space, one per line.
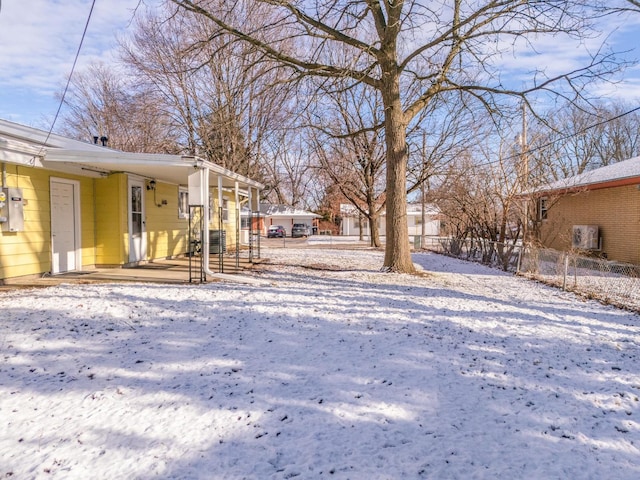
x=566, y=272
x=518, y=264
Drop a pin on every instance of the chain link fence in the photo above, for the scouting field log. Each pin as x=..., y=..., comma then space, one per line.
x=610, y=282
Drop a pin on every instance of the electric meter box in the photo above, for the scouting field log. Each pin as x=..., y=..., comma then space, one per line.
x=12, y=212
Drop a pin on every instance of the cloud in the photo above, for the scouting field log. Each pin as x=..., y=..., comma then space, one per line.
x=550, y=56
x=39, y=40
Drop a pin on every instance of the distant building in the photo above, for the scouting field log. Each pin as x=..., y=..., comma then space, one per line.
x=279, y=215
x=350, y=224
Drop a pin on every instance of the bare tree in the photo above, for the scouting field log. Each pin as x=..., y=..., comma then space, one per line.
x=348, y=146
x=409, y=51
x=578, y=138
x=102, y=103
x=287, y=168
x=482, y=199
x=225, y=98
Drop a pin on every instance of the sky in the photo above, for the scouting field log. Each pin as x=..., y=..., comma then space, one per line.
x=38, y=44
x=39, y=40
x=323, y=368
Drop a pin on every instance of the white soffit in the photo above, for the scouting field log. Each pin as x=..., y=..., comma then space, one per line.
x=162, y=167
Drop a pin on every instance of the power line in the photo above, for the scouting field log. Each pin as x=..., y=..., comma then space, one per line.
x=73, y=67
x=557, y=140
x=584, y=130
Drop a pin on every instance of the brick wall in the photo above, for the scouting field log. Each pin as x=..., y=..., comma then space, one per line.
x=616, y=211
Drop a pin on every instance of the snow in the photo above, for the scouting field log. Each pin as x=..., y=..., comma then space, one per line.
x=616, y=171
x=330, y=370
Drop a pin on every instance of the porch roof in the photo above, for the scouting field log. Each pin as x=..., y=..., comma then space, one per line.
x=160, y=167
x=33, y=147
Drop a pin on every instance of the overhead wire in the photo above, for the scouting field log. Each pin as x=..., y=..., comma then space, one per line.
x=73, y=67
x=584, y=130
x=562, y=138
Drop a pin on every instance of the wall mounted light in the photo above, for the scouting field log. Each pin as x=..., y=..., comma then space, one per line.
x=151, y=185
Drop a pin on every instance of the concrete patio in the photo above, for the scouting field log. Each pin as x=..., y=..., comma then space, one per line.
x=175, y=271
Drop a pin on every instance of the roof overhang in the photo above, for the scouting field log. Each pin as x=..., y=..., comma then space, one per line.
x=173, y=169
x=14, y=151
x=577, y=188
x=22, y=145
x=292, y=215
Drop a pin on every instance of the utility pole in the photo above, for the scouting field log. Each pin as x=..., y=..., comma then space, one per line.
x=525, y=174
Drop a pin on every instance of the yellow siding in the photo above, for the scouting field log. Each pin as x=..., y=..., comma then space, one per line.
x=29, y=252
x=111, y=220
x=229, y=226
x=103, y=220
x=87, y=222
x=616, y=211
x=166, y=232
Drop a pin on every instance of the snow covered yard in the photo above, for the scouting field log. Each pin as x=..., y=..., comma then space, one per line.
x=331, y=370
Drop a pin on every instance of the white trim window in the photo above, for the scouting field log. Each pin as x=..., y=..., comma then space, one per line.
x=183, y=202
x=225, y=210
x=543, y=208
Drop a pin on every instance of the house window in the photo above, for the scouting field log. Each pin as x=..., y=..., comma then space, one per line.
x=543, y=208
x=245, y=223
x=183, y=202
x=225, y=210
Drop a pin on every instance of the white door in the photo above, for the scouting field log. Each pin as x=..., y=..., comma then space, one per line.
x=137, y=230
x=65, y=225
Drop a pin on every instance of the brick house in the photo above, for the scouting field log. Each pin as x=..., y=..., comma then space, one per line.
x=597, y=211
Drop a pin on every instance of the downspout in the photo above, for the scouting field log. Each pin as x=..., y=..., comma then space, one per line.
x=4, y=176
x=204, y=194
x=204, y=185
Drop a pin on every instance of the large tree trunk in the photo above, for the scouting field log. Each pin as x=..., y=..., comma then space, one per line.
x=397, y=256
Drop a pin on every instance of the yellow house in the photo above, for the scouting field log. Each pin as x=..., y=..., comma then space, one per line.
x=597, y=212
x=67, y=205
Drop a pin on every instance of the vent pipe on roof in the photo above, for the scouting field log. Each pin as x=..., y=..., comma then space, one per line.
x=102, y=139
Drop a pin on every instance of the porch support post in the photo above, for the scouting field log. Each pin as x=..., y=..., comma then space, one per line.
x=238, y=223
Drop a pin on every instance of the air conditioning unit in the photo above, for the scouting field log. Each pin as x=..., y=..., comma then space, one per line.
x=585, y=237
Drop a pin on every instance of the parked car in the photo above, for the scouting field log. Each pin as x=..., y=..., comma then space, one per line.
x=300, y=230
x=276, y=231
